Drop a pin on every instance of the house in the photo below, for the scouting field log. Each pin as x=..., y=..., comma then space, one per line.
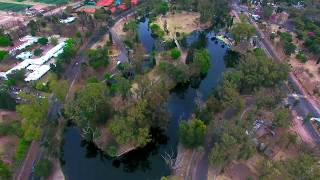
x=36, y=68
x=104, y=3
x=23, y=43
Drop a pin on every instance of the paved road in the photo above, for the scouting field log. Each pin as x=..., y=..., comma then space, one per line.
x=71, y=73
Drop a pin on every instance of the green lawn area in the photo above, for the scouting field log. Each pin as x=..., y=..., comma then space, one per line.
x=52, y=1
x=13, y=7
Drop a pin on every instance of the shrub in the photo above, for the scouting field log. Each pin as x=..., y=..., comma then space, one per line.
x=302, y=57
x=5, y=173
x=53, y=41
x=43, y=41
x=38, y=52
x=5, y=41
x=192, y=133
x=3, y=54
x=21, y=150
x=175, y=53
x=289, y=48
x=156, y=30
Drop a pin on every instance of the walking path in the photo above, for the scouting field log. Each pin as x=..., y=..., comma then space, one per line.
x=24, y=172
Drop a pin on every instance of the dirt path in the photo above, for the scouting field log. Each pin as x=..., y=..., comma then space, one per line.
x=302, y=132
x=57, y=173
x=24, y=172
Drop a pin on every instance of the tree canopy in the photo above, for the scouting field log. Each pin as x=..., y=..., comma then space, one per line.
x=192, y=133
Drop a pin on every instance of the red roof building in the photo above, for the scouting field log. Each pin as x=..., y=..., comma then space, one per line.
x=122, y=7
x=134, y=2
x=88, y=10
x=105, y=3
x=113, y=9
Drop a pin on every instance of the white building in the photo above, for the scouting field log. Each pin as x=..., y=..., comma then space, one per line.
x=36, y=67
x=24, y=55
x=27, y=41
x=68, y=20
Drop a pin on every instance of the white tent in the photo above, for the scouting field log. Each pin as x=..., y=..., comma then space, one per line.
x=68, y=20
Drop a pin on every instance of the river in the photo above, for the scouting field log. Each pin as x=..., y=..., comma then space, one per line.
x=83, y=161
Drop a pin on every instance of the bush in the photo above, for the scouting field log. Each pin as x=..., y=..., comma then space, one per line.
x=43, y=41
x=53, y=41
x=285, y=37
x=289, y=48
x=43, y=168
x=5, y=41
x=3, y=54
x=21, y=150
x=5, y=173
x=302, y=57
x=175, y=53
x=6, y=100
x=112, y=150
x=37, y=52
x=156, y=30
x=9, y=129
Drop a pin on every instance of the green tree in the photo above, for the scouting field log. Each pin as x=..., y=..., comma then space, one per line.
x=98, y=58
x=58, y=87
x=43, y=41
x=38, y=52
x=232, y=58
x=34, y=111
x=192, y=133
x=216, y=156
x=175, y=53
x=5, y=173
x=90, y=107
x=303, y=167
x=179, y=73
x=243, y=32
x=122, y=86
x=260, y=71
x=6, y=101
x=16, y=77
x=69, y=51
x=289, y=48
x=281, y=118
x=201, y=62
x=5, y=41
x=3, y=54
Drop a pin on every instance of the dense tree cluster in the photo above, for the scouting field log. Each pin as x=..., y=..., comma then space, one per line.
x=34, y=110
x=98, y=57
x=192, y=133
x=305, y=166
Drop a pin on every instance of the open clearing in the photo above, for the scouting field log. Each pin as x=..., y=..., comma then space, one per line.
x=184, y=22
x=13, y=7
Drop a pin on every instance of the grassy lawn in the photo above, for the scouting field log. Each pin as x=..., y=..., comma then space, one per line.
x=13, y=7
x=52, y=1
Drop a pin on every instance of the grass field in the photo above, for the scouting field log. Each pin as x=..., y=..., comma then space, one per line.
x=52, y=1
x=13, y=7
